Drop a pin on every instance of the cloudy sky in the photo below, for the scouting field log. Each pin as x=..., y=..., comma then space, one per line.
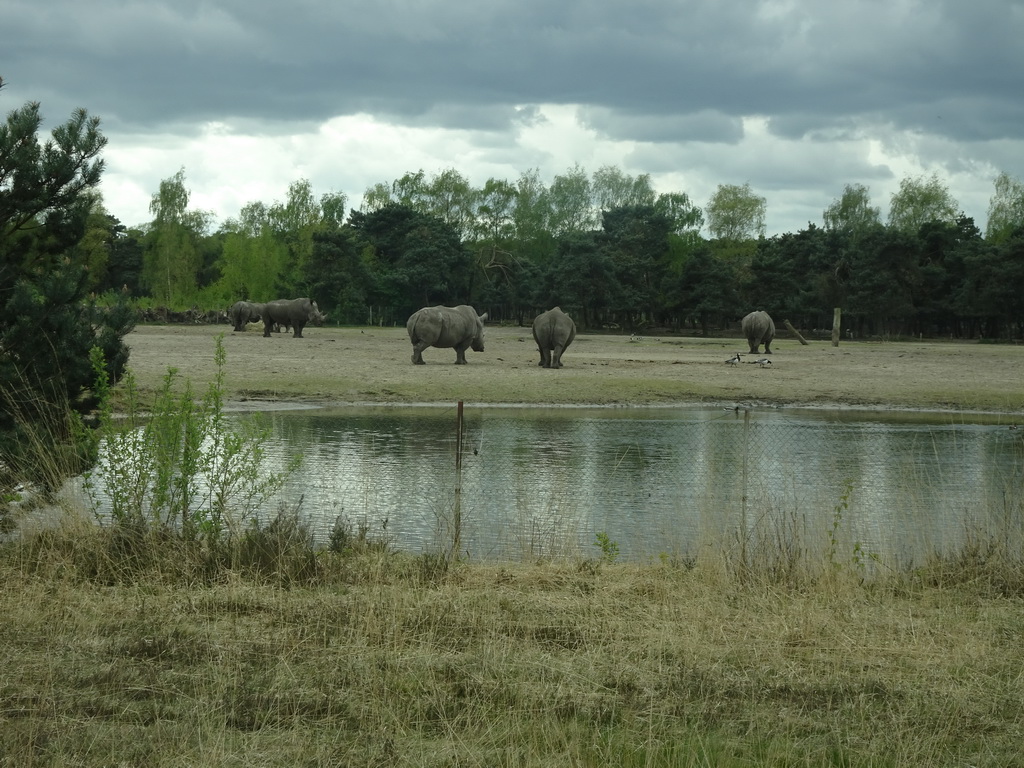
x=795, y=97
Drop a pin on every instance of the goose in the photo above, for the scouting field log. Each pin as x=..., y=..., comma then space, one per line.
x=734, y=359
x=763, y=361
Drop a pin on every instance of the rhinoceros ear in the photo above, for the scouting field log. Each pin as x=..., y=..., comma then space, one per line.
x=483, y=317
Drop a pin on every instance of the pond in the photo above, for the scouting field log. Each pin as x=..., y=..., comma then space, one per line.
x=653, y=482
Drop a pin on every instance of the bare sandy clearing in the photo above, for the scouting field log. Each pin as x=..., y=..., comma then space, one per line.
x=373, y=365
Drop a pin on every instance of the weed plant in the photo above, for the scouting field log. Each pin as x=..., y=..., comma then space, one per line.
x=181, y=465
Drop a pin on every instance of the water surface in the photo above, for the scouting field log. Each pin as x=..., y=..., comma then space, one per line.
x=657, y=481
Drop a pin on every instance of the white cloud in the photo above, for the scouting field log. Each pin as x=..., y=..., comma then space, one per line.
x=229, y=166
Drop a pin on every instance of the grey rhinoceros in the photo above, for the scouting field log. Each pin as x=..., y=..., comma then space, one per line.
x=446, y=327
x=553, y=331
x=294, y=312
x=242, y=313
x=758, y=328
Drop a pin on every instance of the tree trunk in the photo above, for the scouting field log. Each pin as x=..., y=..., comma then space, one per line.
x=795, y=332
x=837, y=318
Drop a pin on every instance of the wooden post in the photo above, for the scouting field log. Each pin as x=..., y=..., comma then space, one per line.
x=837, y=322
x=457, y=517
x=743, y=508
x=795, y=332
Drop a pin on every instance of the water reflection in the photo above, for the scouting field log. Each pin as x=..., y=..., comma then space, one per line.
x=544, y=481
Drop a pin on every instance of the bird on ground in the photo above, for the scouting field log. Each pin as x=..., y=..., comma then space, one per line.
x=763, y=362
x=734, y=359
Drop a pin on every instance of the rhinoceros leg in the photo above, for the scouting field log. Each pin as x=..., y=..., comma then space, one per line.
x=417, y=353
x=545, y=357
x=556, y=356
x=460, y=354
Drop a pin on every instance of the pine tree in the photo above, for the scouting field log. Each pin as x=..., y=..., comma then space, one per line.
x=49, y=326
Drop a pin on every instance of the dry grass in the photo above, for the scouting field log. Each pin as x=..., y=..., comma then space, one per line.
x=147, y=655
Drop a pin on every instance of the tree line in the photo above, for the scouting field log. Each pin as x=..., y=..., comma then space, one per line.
x=604, y=246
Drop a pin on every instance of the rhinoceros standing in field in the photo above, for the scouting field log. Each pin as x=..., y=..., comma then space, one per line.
x=293, y=312
x=242, y=313
x=758, y=328
x=446, y=327
x=553, y=331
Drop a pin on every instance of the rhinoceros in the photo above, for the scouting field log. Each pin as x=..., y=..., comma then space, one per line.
x=758, y=328
x=293, y=312
x=446, y=327
x=242, y=313
x=553, y=331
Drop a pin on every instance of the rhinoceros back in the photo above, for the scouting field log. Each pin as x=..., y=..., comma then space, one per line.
x=758, y=325
x=759, y=328
x=444, y=326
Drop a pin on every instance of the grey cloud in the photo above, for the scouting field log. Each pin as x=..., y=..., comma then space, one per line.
x=702, y=126
x=803, y=63
x=676, y=76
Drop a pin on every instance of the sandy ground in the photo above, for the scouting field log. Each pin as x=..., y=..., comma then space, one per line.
x=373, y=365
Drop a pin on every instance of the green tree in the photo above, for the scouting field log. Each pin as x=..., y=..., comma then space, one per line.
x=993, y=288
x=415, y=259
x=451, y=198
x=376, y=197
x=704, y=290
x=794, y=275
x=943, y=249
x=531, y=219
x=635, y=237
x=735, y=213
x=611, y=188
x=1005, y=208
x=853, y=212
x=253, y=257
x=410, y=191
x=687, y=219
x=333, y=208
x=124, y=263
x=339, y=277
x=884, y=278
x=50, y=326
x=171, y=260
x=294, y=223
x=571, y=203
x=93, y=250
x=494, y=246
x=920, y=200
x=581, y=277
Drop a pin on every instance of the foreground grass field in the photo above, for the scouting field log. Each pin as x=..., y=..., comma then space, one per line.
x=139, y=650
